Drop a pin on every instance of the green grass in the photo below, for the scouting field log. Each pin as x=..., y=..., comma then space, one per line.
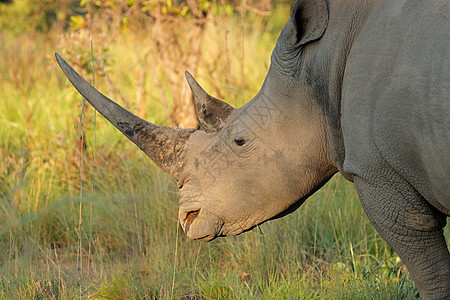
x=128, y=243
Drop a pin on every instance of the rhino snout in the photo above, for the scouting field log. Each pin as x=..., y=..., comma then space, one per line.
x=189, y=218
x=199, y=225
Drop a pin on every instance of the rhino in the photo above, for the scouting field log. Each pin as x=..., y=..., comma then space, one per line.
x=360, y=88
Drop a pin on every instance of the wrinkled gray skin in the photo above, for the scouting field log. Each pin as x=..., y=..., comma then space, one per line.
x=356, y=87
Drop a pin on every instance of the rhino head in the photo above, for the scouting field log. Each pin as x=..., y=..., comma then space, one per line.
x=248, y=165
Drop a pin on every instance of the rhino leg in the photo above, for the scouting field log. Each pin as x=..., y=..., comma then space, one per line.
x=412, y=227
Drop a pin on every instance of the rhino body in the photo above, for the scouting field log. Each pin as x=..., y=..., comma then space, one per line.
x=356, y=87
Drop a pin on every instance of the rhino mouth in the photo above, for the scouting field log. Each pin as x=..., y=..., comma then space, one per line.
x=200, y=225
x=189, y=219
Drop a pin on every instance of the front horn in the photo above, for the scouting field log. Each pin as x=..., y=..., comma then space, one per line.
x=164, y=145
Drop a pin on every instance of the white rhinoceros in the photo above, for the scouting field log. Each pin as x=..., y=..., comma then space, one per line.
x=358, y=87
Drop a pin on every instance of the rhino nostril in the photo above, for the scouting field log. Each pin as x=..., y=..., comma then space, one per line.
x=190, y=217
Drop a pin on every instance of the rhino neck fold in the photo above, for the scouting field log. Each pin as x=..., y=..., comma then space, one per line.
x=326, y=69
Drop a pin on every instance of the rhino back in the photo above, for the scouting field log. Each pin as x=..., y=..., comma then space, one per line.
x=396, y=96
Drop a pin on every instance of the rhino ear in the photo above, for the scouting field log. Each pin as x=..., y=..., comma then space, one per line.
x=310, y=19
x=212, y=113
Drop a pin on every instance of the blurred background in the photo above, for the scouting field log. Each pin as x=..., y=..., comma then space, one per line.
x=84, y=214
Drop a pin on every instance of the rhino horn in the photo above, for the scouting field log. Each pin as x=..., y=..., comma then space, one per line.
x=211, y=112
x=164, y=145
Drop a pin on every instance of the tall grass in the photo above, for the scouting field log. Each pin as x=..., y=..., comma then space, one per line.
x=131, y=245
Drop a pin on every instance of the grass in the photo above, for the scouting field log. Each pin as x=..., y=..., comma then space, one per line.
x=128, y=244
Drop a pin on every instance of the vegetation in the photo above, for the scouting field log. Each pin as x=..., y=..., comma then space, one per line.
x=84, y=214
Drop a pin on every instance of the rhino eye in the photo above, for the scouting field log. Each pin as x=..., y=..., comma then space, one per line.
x=239, y=141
